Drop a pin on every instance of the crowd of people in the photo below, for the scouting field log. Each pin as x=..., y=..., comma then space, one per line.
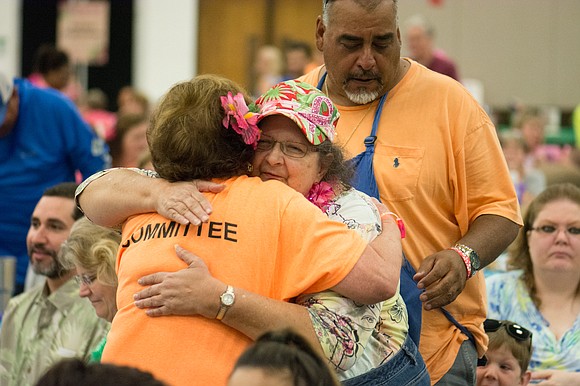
x=52, y=69
x=328, y=230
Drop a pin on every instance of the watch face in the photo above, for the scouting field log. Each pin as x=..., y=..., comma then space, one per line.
x=227, y=299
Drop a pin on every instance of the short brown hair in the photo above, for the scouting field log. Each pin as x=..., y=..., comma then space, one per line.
x=74, y=371
x=340, y=171
x=125, y=123
x=187, y=138
x=288, y=354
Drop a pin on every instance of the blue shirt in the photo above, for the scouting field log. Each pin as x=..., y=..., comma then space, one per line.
x=48, y=143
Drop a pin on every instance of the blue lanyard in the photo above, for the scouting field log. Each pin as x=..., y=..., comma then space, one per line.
x=370, y=140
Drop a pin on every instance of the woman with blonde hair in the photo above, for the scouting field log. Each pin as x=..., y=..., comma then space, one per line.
x=92, y=249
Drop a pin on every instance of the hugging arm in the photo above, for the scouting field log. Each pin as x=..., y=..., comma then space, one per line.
x=108, y=198
x=119, y=193
x=341, y=327
x=194, y=291
x=375, y=276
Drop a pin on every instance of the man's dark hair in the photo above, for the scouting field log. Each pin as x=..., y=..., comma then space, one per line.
x=295, y=45
x=49, y=58
x=64, y=190
x=287, y=351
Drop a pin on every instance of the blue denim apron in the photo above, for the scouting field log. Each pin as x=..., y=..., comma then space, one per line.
x=364, y=180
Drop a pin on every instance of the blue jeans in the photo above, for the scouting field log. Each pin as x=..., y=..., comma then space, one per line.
x=463, y=371
x=405, y=368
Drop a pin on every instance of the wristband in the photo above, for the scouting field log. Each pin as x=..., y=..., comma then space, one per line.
x=474, y=260
x=399, y=222
x=465, y=259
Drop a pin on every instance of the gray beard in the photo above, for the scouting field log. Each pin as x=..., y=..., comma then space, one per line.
x=54, y=271
x=362, y=97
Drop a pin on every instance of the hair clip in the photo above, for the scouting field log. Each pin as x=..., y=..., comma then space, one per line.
x=241, y=118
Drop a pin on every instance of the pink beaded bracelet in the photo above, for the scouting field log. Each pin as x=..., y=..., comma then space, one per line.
x=465, y=258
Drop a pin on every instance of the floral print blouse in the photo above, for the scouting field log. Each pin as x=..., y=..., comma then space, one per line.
x=356, y=337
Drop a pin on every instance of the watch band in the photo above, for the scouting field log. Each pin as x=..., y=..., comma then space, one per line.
x=221, y=313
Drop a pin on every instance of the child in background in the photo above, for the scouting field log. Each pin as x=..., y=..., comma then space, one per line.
x=508, y=355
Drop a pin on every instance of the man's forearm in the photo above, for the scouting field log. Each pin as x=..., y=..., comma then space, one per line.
x=489, y=236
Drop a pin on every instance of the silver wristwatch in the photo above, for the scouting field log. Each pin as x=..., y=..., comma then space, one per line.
x=227, y=300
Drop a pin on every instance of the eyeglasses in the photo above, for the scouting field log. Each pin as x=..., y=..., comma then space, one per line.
x=514, y=330
x=291, y=149
x=85, y=279
x=550, y=230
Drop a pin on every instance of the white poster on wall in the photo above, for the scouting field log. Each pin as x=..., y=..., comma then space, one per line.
x=83, y=31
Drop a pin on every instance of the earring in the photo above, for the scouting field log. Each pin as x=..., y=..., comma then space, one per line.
x=250, y=167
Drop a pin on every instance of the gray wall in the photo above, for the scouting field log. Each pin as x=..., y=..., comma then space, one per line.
x=521, y=50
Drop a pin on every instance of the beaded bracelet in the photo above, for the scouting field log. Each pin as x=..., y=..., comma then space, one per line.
x=399, y=222
x=465, y=258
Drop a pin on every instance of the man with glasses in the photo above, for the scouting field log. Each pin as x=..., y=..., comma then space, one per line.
x=51, y=322
x=508, y=355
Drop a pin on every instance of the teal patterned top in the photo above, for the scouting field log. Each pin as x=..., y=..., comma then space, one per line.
x=509, y=299
x=98, y=353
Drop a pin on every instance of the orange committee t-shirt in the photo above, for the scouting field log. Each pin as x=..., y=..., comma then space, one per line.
x=438, y=165
x=262, y=236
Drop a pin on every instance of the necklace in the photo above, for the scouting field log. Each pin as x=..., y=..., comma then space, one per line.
x=359, y=122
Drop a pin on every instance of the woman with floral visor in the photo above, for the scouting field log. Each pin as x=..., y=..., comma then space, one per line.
x=364, y=343
x=541, y=290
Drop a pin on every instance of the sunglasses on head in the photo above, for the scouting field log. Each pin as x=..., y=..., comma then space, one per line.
x=514, y=330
